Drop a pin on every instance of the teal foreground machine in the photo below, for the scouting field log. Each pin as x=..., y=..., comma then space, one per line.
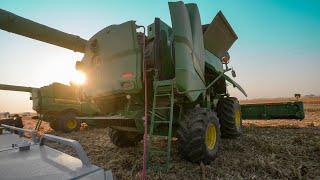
x=22, y=158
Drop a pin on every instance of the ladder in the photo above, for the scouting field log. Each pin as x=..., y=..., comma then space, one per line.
x=38, y=124
x=161, y=89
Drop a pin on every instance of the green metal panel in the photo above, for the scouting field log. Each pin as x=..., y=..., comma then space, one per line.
x=59, y=91
x=36, y=100
x=286, y=110
x=213, y=62
x=58, y=105
x=46, y=91
x=59, y=97
x=187, y=77
x=62, y=91
x=161, y=55
x=89, y=108
x=19, y=25
x=15, y=88
x=163, y=27
x=117, y=53
x=197, y=38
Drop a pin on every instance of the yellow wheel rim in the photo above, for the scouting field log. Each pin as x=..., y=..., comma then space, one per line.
x=211, y=136
x=71, y=123
x=237, y=117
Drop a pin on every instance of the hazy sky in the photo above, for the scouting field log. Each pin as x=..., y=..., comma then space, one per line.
x=277, y=53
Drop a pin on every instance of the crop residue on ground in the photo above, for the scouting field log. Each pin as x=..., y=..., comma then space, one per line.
x=276, y=149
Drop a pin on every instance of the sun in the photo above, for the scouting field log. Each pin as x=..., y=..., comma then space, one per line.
x=79, y=78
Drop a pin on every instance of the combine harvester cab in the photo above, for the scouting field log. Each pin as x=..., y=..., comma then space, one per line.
x=22, y=158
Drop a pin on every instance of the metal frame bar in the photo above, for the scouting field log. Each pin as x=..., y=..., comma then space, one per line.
x=69, y=142
x=21, y=131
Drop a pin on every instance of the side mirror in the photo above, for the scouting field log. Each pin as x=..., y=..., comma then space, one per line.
x=233, y=72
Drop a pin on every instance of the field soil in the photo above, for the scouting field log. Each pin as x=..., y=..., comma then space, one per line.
x=267, y=149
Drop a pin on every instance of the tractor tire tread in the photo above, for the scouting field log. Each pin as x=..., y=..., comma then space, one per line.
x=191, y=135
x=226, y=114
x=121, y=139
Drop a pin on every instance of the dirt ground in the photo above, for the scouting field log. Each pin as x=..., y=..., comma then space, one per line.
x=273, y=149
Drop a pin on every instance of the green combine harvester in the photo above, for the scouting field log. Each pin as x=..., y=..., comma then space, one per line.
x=58, y=104
x=168, y=81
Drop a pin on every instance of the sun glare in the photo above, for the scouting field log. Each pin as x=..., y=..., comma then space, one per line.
x=79, y=78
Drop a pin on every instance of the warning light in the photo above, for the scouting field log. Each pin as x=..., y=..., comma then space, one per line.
x=127, y=75
x=225, y=59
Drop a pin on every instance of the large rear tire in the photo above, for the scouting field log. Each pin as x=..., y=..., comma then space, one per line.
x=54, y=124
x=68, y=123
x=199, y=135
x=229, y=113
x=124, y=138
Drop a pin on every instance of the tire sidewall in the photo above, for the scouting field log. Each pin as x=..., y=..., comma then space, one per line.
x=227, y=116
x=212, y=153
x=191, y=135
x=54, y=124
x=123, y=138
x=237, y=106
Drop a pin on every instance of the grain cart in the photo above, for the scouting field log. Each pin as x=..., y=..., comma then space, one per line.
x=169, y=77
x=57, y=104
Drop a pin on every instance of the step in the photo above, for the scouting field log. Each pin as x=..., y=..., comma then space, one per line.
x=159, y=136
x=169, y=82
x=164, y=89
x=161, y=122
x=159, y=108
x=159, y=95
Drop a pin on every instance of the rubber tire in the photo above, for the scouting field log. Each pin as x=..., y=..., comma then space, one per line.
x=63, y=123
x=226, y=112
x=191, y=135
x=124, y=138
x=54, y=124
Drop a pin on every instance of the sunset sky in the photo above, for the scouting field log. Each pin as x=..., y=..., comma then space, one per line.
x=276, y=55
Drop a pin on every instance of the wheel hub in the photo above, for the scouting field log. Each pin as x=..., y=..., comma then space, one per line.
x=71, y=123
x=211, y=136
x=237, y=117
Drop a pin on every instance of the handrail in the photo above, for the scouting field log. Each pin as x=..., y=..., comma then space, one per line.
x=69, y=142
